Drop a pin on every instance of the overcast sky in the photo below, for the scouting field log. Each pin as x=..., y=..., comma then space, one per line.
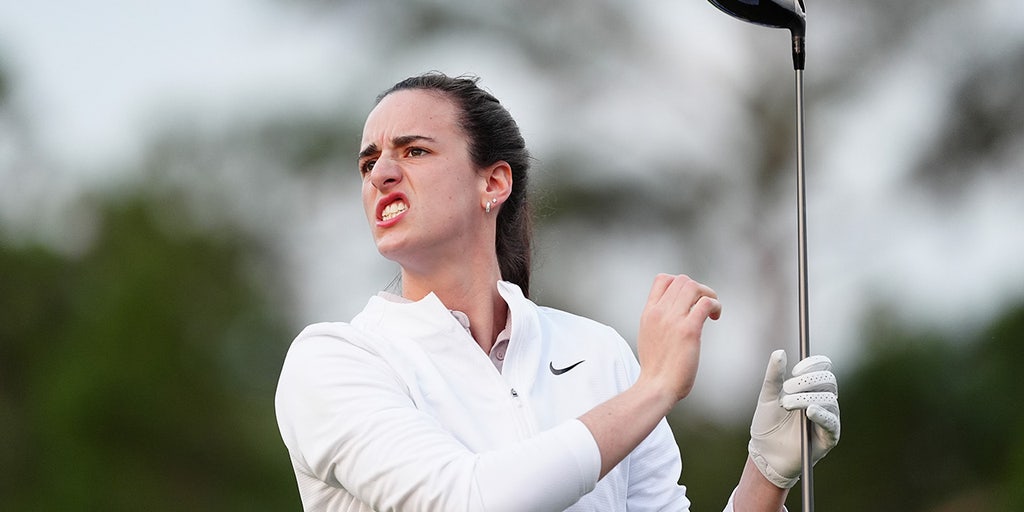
x=91, y=78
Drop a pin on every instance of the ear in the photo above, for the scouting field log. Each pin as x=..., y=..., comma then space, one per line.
x=497, y=181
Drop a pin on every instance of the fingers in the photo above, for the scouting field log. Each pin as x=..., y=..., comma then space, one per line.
x=812, y=364
x=814, y=381
x=671, y=325
x=684, y=295
x=706, y=307
x=827, y=420
x=804, y=400
x=700, y=299
x=661, y=283
x=773, y=377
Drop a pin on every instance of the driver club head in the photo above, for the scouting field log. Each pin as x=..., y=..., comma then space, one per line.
x=787, y=14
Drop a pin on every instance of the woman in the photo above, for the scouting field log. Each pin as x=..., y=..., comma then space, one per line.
x=461, y=393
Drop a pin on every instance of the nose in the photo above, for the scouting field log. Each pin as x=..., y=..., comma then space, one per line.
x=386, y=173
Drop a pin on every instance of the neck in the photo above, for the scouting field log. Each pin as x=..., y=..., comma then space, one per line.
x=464, y=290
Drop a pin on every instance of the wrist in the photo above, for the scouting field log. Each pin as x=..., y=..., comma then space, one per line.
x=756, y=492
x=766, y=470
x=622, y=422
x=657, y=396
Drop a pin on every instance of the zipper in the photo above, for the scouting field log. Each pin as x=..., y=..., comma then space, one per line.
x=524, y=424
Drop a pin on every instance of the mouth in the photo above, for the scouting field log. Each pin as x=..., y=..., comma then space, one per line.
x=393, y=209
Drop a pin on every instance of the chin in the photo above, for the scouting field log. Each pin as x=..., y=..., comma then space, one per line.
x=389, y=250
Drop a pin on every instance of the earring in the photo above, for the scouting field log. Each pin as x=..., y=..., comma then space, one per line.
x=487, y=205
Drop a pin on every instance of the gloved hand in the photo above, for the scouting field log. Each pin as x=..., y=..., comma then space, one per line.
x=775, y=430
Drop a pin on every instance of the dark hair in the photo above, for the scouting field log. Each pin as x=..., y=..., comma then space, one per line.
x=493, y=136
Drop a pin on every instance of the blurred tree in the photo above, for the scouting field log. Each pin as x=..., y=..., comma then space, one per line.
x=140, y=375
x=984, y=129
x=928, y=422
x=719, y=195
x=139, y=372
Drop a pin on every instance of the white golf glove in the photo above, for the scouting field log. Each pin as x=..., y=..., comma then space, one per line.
x=775, y=430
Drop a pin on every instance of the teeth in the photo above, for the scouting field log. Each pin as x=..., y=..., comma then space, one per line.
x=393, y=209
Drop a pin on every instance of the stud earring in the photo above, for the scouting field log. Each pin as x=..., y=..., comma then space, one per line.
x=487, y=205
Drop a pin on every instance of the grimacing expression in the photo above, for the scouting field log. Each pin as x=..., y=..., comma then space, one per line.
x=420, y=187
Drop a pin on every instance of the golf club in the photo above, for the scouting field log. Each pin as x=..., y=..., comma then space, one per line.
x=789, y=14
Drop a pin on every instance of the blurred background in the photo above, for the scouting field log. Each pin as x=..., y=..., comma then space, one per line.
x=179, y=197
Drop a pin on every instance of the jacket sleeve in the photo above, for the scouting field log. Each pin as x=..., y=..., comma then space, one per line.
x=729, y=507
x=655, y=465
x=348, y=418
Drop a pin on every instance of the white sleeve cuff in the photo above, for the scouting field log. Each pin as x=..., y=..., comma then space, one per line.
x=565, y=453
x=728, y=506
x=580, y=441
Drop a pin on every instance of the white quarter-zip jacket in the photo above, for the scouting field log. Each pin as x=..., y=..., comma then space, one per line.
x=400, y=410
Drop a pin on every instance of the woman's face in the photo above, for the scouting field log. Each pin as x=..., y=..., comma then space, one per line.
x=421, y=193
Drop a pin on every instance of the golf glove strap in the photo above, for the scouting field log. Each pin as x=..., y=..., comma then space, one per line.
x=775, y=430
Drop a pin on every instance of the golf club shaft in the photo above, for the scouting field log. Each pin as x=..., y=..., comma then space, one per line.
x=807, y=487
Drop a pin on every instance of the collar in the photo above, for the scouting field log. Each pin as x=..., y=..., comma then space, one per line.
x=429, y=317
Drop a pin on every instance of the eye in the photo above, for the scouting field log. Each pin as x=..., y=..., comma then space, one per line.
x=416, y=152
x=366, y=166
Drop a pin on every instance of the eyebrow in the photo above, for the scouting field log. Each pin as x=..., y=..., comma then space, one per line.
x=399, y=141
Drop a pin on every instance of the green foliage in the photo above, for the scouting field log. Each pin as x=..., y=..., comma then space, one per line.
x=929, y=423
x=713, y=456
x=139, y=376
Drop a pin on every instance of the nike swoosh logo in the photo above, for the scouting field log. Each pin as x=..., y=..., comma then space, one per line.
x=559, y=371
